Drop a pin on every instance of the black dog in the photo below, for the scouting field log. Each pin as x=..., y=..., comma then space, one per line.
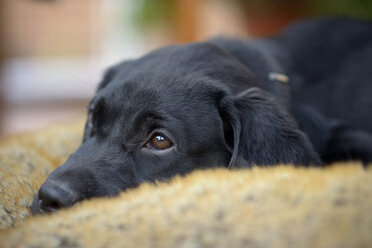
x=302, y=97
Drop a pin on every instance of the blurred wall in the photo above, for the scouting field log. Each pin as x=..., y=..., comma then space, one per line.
x=36, y=28
x=46, y=46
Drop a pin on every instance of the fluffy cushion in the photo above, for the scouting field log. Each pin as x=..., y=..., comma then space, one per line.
x=279, y=206
x=25, y=162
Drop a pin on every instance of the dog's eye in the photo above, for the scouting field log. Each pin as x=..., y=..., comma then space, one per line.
x=159, y=142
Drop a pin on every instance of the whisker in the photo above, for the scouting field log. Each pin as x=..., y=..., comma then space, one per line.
x=82, y=81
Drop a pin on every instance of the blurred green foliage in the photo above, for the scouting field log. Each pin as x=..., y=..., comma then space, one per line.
x=350, y=8
x=261, y=5
x=150, y=12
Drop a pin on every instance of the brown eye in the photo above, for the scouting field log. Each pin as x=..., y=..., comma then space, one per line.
x=159, y=142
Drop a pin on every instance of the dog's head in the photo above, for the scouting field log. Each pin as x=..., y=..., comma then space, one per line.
x=170, y=112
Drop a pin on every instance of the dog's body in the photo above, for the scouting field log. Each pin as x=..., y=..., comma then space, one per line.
x=329, y=64
x=224, y=103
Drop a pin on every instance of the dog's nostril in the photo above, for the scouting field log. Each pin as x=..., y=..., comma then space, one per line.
x=53, y=196
x=50, y=205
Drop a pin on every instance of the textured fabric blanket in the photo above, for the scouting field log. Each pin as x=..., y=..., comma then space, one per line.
x=279, y=206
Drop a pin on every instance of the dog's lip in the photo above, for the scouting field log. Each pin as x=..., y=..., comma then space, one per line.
x=37, y=207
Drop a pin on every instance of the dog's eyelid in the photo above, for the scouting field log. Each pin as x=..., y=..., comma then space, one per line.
x=90, y=108
x=160, y=132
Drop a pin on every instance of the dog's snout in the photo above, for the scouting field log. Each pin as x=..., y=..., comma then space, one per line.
x=53, y=196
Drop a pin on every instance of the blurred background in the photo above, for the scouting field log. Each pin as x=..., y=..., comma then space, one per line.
x=53, y=52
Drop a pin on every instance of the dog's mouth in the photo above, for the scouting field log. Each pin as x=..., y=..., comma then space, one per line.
x=38, y=208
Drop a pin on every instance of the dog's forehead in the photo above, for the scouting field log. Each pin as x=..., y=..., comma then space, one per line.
x=157, y=91
x=164, y=95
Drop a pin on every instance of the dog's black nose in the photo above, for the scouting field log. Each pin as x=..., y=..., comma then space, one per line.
x=53, y=196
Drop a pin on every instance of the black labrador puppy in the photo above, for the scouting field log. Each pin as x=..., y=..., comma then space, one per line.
x=302, y=97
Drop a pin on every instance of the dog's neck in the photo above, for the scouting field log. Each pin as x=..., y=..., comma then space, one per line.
x=262, y=58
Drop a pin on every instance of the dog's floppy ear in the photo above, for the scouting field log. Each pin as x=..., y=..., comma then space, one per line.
x=259, y=131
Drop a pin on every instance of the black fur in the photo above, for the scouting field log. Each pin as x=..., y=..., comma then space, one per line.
x=217, y=104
